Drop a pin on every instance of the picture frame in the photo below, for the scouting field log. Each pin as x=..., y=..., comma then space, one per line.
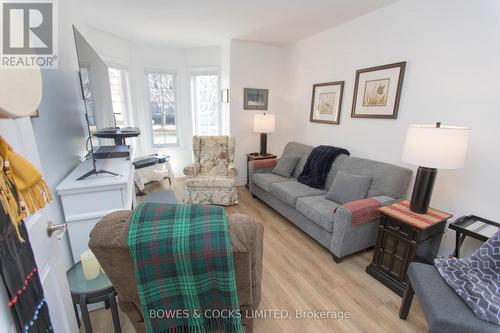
x=225, y=96
x=377, y=91
x=255, y=99
x=326, y=102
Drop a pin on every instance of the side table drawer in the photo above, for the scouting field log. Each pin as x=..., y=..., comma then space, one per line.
x=401, y=229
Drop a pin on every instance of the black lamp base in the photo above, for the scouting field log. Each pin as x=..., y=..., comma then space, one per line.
x=422, y=190
x=263, y=143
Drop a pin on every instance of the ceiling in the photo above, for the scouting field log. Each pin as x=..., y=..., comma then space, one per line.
x=209, y=22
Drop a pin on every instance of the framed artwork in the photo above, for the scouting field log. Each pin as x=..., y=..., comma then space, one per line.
x=326, y=102
x=255, y=99
x=377, y=91
x=225, y=95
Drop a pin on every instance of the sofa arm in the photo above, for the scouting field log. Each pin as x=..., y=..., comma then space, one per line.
x=232, y=170
x=348, y=225
x=192, y=169
x=361, y=211
x=259, y=166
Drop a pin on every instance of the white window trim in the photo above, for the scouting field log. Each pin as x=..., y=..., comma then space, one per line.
x=128, y=100
x=149, y=112
x=205, y=71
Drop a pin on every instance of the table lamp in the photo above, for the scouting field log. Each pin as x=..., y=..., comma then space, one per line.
x=263, y=123
x=431, y=148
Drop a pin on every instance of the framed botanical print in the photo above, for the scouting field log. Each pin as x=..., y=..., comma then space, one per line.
x=255, y=99
x=377, y=91
x=326, y=102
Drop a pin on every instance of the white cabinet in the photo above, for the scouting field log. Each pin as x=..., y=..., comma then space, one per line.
x=86, y=201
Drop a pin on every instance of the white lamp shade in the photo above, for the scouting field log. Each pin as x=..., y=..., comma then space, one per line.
x=20, y=92
x=436, y=147
x=263, y=123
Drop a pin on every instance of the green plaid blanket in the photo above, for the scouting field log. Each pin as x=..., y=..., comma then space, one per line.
x=184, y=268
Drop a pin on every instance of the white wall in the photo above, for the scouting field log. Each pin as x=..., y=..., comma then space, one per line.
x=255, y=65
x=58, y=131
x=225, y=79
x=138, y=57
x=452, y=51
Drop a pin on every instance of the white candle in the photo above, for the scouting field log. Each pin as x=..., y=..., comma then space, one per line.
x=90, y=265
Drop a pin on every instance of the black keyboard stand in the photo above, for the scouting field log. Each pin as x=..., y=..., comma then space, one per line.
x=97, y=172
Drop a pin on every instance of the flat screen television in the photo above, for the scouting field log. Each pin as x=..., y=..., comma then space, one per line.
x=96, y=92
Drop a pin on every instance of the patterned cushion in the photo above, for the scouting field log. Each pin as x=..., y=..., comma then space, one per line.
x=214, y=154
x=444, y=311
x=207, y=181
x=476, y=279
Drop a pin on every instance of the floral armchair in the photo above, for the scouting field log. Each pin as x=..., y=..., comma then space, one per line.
x=211, y=179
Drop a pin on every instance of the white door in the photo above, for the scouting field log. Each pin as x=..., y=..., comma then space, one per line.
x=19, y=134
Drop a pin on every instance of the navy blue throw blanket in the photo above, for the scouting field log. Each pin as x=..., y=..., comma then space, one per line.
x=318, y=165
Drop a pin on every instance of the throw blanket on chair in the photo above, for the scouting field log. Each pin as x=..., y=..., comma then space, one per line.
x=318, y=165
x=184, y=268
x=476, y=279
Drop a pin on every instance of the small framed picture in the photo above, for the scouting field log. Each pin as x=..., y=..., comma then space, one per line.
x=377, y=91
x=326, y=102
x=255, y=99
x=225, y=96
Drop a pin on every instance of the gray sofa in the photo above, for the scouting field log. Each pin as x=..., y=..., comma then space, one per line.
x=326, y=221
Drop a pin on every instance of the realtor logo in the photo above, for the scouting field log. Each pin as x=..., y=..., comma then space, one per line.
x=28, y=34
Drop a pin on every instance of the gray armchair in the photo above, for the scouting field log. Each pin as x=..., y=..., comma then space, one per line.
x=211, y=179
x=444, y=310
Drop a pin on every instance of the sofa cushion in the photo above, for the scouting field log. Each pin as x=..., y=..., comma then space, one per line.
x=387, y=179
x=264, y=180
x=299, y=150
x=206, y=181
x=318, y=209
x=347, y=187
x=286, y=165
x=290, y=191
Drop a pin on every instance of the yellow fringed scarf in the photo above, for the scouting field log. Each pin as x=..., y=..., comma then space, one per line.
x=32, y=190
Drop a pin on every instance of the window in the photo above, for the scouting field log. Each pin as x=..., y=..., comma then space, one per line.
x=87, y=95
x=162, y=103
x=205, y=104
x=118, y=82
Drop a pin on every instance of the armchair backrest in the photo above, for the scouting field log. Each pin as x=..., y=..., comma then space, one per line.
x=210, y=151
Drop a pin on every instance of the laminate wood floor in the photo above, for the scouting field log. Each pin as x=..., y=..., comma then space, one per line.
x=299, y=274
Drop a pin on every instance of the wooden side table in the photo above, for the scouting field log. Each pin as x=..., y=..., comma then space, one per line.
x=257, y=156
x=403, y=237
